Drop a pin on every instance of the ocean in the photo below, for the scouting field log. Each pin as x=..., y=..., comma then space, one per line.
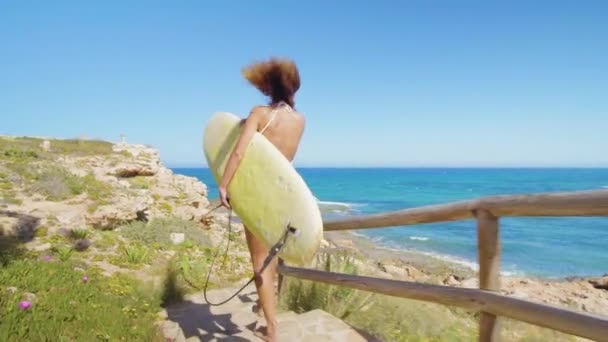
x=546, y=247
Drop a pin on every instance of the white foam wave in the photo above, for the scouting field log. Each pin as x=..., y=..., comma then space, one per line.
x=337, y=207
x=604, y=186
x=472, y=265
x=419, y=238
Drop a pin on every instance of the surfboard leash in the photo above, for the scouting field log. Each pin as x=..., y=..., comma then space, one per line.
x=274, y=250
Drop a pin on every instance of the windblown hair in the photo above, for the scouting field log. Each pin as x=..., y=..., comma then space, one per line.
x=277, y=78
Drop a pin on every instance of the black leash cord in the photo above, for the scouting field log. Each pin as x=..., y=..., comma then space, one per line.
x=276, y=248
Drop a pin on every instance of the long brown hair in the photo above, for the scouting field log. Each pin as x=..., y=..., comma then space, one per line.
x=277, y=78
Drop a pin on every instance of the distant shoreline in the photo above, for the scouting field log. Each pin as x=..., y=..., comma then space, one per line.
x=423, y=167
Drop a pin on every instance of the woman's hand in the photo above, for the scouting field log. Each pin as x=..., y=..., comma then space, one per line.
x=224, y=197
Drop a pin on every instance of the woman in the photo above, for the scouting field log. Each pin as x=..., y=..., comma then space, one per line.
x=283, y=126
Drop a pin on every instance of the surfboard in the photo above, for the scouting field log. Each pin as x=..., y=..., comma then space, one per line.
x=266, y=192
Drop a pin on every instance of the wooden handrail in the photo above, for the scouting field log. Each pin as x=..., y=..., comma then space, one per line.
x=486, y=300
x=582, y=203
x=565, y=320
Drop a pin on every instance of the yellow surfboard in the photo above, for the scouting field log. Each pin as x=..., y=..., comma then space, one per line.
x=266, y=192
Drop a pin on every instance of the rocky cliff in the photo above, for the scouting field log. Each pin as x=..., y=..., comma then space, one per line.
x=76, y=184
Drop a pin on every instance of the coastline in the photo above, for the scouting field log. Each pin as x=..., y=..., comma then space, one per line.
x=587, y=294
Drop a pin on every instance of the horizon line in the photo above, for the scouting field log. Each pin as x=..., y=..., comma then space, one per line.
x=190, y=166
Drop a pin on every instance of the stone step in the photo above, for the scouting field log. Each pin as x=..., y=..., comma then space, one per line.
x=194, y=320
x=317, y=325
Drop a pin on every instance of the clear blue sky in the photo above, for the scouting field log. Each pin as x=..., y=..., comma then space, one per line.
x=385, y=83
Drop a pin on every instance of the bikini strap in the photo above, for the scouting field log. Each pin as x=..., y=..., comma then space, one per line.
x=274, y=114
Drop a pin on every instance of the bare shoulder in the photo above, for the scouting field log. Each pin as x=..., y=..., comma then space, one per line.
x=300, y=117
x=258, y=110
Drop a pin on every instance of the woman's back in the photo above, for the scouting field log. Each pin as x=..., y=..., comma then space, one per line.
x=283, y=127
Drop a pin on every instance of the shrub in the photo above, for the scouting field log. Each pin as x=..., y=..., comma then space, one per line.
x=159, y=230
x=77, y=234
x=139, y=182
x=95, y=189
x=81, y=146
x=302, y=296
x=166, y=207
x=388, y=318
x=58, y=184
x=135, y=254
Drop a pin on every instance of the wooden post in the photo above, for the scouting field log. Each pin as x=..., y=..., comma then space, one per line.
x=488, y=246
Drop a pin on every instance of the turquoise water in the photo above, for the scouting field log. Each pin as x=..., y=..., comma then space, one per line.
x=550, y=247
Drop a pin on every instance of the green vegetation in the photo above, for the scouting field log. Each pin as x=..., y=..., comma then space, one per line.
x=135, y=254
x=26, y=147
x=63, y=252
x=41, y=231
x=389, y=319
x=140, y=182
x=340, y=301
x=7, y=191
x=396, y=319
x=158, y=231
x=72, y=305
x=79, y=234
x=58, y=184
x=24, y=163
x=105, y=240
x=166, y=207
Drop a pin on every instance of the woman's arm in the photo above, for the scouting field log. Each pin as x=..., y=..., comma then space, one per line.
x=249, y=128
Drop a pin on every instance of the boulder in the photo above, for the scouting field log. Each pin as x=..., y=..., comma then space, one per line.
x=121, y=211
x=177, y=238
x=600, y=283
x=451, y=281
x=133, y=169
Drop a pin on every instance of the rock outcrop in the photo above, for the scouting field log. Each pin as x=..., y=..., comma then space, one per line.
x=126, y=183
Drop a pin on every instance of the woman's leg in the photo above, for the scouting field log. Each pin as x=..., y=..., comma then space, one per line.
x=264, y=282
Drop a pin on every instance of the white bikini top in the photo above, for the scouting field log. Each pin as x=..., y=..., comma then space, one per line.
x=274, y=114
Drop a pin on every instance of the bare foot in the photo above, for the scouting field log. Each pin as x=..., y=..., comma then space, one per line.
x=267, y=333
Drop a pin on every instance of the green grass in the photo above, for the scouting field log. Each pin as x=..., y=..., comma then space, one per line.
x=387, y=318
x=135, y=254
x=24, y=162
x=105, y=240
x=140, y=182
x=9, y=197
x=58, y=184
x=166, y=208
x=68, y=309
x=31, y=147
x=77, y=234
x=340, y=301
x=159, y=230
x=396, y=319
x=63, y=252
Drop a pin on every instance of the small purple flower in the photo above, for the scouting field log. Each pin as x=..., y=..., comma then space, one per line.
x=25, y=304
x=85, y=279
x=47, y=258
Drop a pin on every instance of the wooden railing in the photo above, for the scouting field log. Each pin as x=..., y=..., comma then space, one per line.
x=486, y=299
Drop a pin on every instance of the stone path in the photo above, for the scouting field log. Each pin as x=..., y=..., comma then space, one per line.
x=194, y=320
